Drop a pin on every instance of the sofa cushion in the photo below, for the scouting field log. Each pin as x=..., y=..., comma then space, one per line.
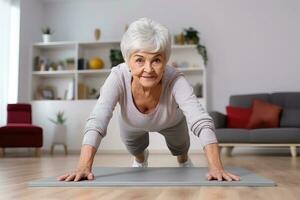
x=232, y=135
x=286, y=99
x=220, y=120
x=237, y=117
x=264, y=115
x=246, y=100
x=275, y=135
x=290, y=118
x=265, y=135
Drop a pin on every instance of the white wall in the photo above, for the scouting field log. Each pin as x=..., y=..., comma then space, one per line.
x=30, y=32
x=253, y=45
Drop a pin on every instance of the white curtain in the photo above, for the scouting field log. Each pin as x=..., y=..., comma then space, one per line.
x=9, y=54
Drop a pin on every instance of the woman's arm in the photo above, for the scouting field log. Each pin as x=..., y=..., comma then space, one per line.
x=213, y=156
x=201, y=124
x=199, y=121
x=96, y=126
x=87, y=155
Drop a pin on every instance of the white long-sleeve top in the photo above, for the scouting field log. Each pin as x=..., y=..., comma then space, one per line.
x=177, y=100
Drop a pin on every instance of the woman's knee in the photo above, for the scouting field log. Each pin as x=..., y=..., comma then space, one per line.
x=136, y=145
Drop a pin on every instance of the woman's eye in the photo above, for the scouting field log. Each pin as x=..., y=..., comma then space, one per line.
x=139, y=60
x=157, y=60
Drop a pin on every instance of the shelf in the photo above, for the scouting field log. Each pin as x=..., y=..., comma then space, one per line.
x=54, y=45
x=53, y=100
x=98, y=43
x=94, y=71
x=62, y=73
x=87, y=100
x=184, y=46
x=72, y=43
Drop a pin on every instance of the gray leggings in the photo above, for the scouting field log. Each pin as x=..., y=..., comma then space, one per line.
x=177, y=138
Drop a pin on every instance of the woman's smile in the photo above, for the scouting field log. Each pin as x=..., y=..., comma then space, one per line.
x=149, y=77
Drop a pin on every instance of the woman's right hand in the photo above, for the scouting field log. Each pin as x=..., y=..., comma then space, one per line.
x=81, y=173
x=84, y=166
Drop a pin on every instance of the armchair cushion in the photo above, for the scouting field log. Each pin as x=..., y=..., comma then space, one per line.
x=19, y=113
x=21, y=135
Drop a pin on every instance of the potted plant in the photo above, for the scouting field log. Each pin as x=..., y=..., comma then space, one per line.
x=202, y=51
x=60, y=129
x=116, y=57
x=47, y=32
x=191, y=36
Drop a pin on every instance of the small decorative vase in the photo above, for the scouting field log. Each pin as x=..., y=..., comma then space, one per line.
x=60, y=134
x=60, y=67
x=179, y=39
x=46, y=38
x=97, y=33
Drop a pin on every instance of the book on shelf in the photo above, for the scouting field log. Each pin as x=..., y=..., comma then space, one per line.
x=70, y=93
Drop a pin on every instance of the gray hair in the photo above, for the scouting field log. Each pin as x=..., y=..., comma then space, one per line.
x=146, y=35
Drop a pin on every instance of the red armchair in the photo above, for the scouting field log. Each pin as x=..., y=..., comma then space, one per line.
x=19, y=131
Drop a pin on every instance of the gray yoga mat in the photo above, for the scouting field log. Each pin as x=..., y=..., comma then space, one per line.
x=156, y=176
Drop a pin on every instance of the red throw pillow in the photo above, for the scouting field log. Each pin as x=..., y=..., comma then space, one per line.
x=264, y=115
x=237, y=117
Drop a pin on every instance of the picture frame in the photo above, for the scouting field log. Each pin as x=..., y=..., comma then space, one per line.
x=45, y=93
x=48, y=93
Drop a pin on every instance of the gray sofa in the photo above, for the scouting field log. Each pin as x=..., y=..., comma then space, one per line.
x=287, y=135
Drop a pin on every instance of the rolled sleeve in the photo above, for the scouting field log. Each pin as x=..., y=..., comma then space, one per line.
x=199, y=121
x=207, y=136
x=92, y=138
x=96, y=125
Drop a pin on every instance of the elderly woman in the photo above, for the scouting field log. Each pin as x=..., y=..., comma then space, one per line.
x=153, y=97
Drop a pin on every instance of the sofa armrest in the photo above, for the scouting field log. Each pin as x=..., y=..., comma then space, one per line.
x=220, y=119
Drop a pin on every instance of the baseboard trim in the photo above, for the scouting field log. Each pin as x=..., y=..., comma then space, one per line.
x=120, y=151
x=257, y=145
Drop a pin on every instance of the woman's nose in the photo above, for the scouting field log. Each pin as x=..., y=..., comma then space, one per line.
x=148, y=67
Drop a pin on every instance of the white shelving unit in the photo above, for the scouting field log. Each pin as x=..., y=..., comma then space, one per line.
x=185, y=57
x=78, y=109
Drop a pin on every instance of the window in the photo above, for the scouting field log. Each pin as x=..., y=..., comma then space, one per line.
x=9, y=54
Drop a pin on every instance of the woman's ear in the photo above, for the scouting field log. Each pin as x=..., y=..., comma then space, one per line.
x=127, y=65
x=129, y=69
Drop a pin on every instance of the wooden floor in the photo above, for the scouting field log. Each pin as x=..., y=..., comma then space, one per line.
x=16, y=171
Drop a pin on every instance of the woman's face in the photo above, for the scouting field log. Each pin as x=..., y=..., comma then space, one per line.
x=147, y=68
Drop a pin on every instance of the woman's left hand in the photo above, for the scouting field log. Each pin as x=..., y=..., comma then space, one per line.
x=220, y=174
x=215, y=169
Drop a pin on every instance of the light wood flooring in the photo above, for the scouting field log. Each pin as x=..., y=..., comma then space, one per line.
x=16, y=171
